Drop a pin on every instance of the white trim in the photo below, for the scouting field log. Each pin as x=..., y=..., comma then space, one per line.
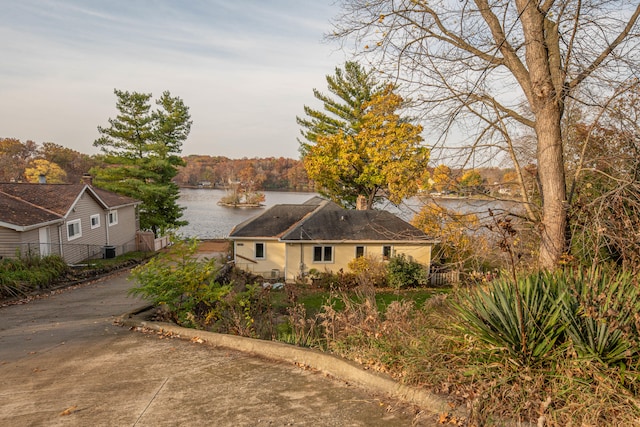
x=97, y=222
x=112, y=216
x=75, y=235
x=255, y=250
x=323, y=249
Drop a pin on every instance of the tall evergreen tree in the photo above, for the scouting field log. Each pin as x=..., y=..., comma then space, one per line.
x=351, y=88
x=364, y=147
x=141, y=148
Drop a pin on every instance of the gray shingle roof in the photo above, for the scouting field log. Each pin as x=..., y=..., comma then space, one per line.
x=24, y=204
x=322, y=220
x=273, y=222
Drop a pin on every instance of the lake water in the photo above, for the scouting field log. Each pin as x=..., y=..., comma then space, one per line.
x=208, y=220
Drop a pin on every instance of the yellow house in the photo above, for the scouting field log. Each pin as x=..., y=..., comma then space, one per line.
x=288, y=241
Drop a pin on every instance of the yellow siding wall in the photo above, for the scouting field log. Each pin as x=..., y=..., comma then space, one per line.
x=344, y=253
x=287, y=259
x=275, y=258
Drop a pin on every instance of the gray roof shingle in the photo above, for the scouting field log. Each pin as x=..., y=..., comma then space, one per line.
x=322, y=220
x=25, y=205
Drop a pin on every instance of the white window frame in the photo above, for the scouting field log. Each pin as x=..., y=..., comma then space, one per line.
x=94, y=220
x=77, y=225
x=323, y=258
x=113, y=217
x=264, y=250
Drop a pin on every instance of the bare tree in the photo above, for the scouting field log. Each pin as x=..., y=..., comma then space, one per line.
x=502, y=70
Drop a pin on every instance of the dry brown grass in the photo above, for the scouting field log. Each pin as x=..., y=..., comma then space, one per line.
x=420, y=346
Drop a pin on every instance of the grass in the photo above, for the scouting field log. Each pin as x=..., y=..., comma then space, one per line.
x=314, y=299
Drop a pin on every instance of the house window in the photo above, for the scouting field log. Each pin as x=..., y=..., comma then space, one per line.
x=74, y=229
x=260, y=252
x=113, y=217
x=359, y=251
x=386, y=252
x=95, y=221
x=323, y=254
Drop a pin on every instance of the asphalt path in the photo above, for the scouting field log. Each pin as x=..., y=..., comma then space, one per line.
x=65, y=361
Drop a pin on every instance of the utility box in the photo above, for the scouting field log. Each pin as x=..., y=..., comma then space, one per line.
x=109, y=252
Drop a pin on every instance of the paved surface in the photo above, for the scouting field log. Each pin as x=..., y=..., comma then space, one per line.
x=64, y=362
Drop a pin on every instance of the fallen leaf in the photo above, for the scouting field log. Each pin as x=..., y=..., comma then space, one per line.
x=70, y=410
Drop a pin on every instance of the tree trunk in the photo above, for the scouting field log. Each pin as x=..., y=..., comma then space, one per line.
x=546, y=104
x=552, y=179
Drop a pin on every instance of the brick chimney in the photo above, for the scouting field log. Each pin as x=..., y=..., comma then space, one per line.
x=361, y=203
x=87, y=179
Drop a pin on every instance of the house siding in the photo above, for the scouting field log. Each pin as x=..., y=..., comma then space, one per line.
x=10, y=239
x=269, y=267
x=122, y=232
x=90, y=244
x=344, y=253
x=27, y=242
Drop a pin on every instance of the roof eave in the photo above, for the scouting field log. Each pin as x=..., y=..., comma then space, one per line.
x=360, y=241
x=23, y=228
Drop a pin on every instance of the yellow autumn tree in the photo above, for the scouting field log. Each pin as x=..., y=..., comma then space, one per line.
x=470, y=182
x=50, y=170
x=442, y=181
x=384, y=159
x=454, y=230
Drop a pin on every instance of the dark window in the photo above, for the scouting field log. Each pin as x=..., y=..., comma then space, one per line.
x=359, y=251
x=322, y=253
x=259, y=250
x=386, y=252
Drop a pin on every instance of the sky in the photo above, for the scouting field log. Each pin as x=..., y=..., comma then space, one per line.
x=245, y=68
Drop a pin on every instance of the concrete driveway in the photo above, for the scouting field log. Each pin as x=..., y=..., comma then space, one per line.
x=64, y=362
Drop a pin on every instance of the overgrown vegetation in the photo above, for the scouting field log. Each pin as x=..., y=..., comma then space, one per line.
x=27, y=274
x=555, y=349
x=21, y=275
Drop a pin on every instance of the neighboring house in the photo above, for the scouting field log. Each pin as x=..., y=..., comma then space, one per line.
x=75, y=221
x=288, y=241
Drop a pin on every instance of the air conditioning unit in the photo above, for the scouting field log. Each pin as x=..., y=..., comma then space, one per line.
x=275, y=273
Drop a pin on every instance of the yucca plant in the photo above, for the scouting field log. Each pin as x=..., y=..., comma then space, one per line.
x=522, y=318
x=601, y=313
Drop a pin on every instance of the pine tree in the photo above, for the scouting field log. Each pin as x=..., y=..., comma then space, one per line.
x=141, y=148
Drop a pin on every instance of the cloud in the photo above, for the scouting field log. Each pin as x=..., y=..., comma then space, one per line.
x=245, y=68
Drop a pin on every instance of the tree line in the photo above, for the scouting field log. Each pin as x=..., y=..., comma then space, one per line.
x=26, y=161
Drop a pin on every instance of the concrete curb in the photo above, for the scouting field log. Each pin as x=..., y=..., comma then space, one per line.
x=328, y=364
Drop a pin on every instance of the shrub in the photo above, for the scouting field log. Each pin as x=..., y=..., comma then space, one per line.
x=328, y=280
x=522, y=319
x=370, y=271
x=19, y=276
x=402, y=272
x=601, y=314
x=181, y=283
x=594, y=312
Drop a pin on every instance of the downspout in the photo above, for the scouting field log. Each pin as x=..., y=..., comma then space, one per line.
x=60, y=241
x=106, y=228
x=301, y=260
x=286, y=259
